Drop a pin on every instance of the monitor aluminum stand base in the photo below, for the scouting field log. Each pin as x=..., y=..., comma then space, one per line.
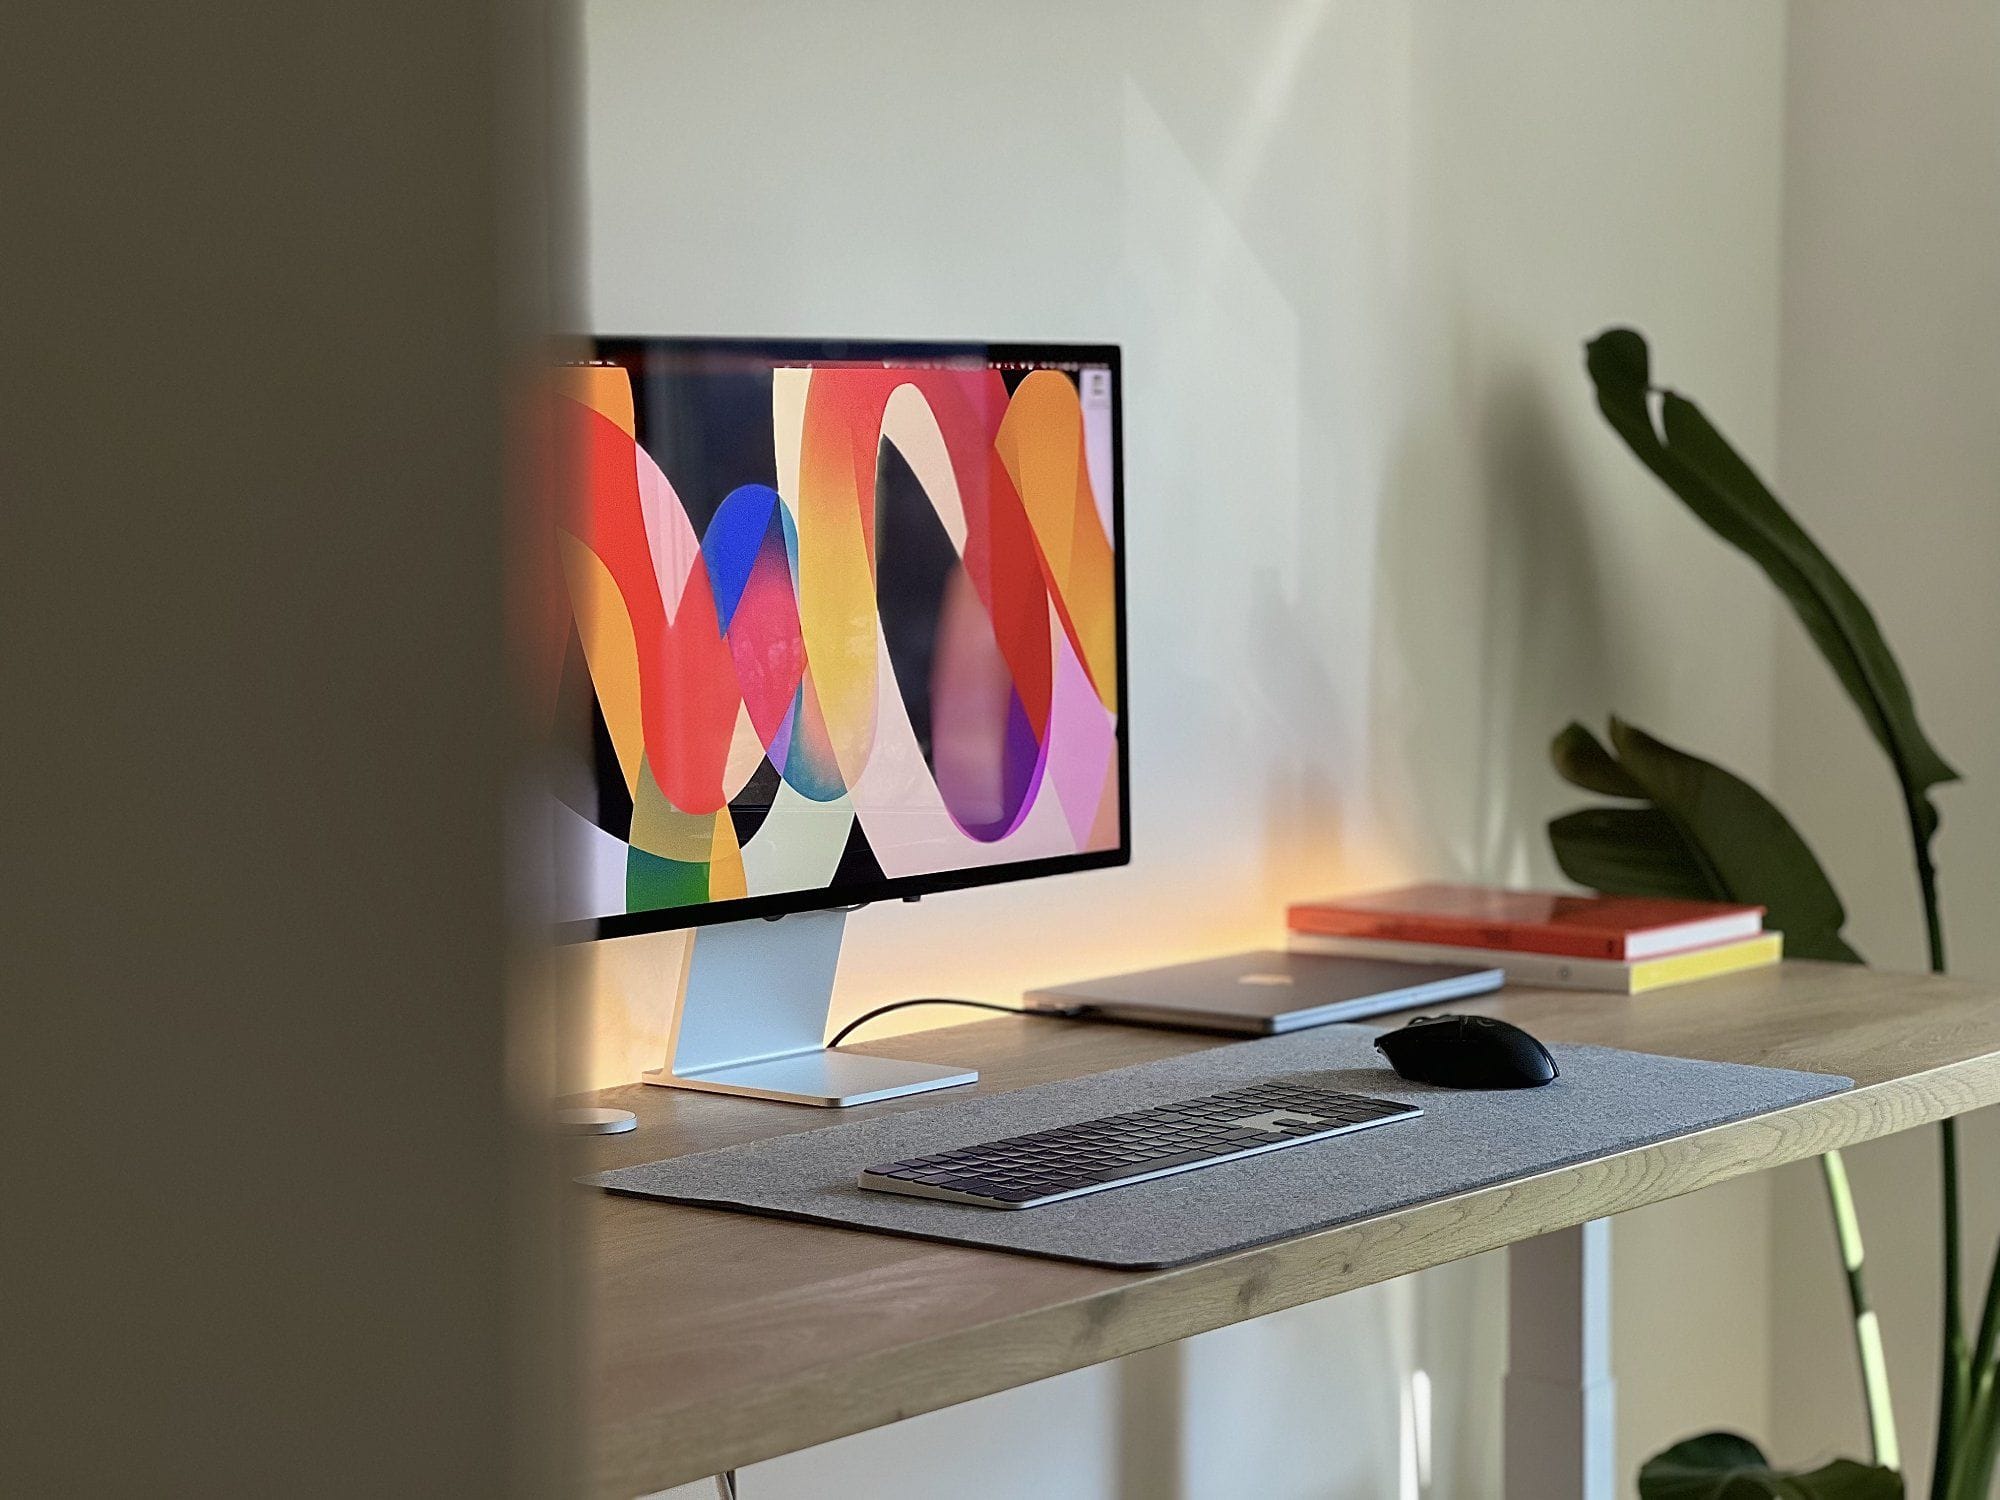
x=754, y=998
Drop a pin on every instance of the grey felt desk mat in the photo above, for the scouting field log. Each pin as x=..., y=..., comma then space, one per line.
x=1605, y=1101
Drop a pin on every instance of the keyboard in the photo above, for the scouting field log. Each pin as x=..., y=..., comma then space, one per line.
x=1026, y=1171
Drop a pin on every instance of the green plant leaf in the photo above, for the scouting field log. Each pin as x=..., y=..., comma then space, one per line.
x=1705, y=834
x=1581, y=761
x=1630, y=851
x=1754, y=850
x=1725, y=1466
x=1698, y=464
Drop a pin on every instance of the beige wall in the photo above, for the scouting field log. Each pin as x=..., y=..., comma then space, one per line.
x=1380, y=544
x=1889, y=443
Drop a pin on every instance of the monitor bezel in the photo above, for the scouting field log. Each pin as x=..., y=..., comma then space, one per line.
x=903, y=887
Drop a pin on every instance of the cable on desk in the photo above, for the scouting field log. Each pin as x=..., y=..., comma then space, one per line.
x=1005, y=1010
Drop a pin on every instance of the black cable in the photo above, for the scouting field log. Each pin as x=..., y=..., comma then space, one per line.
x=1005, y=1010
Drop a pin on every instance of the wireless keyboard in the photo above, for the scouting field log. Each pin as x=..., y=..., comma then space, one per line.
x=1026, y=1171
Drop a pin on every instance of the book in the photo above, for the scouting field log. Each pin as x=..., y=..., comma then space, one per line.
x=1472, y=916
x=1611, y=976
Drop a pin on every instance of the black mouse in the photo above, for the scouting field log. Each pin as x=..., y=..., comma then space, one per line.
x=1467, y=1052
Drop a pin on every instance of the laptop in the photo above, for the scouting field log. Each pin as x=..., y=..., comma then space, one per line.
x=1266, y=993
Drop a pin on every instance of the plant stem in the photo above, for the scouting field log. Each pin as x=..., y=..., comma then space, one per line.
x=1954, y=1365
x=1989, y=1327
x=1926, y=883
x=1979, y=1444
x=1867, y=1328
x=1954, y=1384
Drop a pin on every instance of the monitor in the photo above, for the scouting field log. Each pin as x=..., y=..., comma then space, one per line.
x=841, y=622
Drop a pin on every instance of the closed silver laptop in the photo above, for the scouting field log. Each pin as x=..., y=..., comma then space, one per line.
x=1265, y=993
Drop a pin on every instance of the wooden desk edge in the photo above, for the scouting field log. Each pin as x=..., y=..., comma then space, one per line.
x=830, y=1401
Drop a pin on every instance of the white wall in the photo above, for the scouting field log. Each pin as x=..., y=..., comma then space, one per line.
x=1380, y=545
x=1890, y=451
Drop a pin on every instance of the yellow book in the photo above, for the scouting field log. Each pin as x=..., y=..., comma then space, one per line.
x=1704, y=963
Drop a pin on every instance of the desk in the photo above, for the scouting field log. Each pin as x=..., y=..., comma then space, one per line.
x=714, y=1339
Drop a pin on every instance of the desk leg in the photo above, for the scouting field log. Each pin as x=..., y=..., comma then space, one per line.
x=1560, y=1436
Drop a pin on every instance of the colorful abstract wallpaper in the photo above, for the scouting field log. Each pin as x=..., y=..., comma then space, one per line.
x=827, y=624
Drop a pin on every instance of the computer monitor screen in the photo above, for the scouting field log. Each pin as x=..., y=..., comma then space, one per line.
x=842, y=622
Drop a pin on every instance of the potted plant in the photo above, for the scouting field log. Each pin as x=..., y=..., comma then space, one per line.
x=1682, y=826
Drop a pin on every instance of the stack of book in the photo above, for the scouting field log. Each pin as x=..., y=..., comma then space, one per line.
x=1622, y=945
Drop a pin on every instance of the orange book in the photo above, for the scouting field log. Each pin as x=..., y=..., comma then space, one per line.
x=1475, y=916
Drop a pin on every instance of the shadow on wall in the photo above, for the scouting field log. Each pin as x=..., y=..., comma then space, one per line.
x=1490, y=633
x=1307, y=791
x=1545, y=651
x=1271, y=288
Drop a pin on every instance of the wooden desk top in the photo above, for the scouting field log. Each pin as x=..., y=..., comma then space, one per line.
x=713, y=1339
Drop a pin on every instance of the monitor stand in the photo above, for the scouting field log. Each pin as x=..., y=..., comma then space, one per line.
x=754, y=999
